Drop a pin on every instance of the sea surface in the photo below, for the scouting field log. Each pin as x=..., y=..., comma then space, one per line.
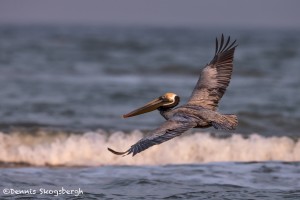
x=65, y=88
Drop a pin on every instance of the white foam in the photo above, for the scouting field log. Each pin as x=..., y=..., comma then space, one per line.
x=90, y=149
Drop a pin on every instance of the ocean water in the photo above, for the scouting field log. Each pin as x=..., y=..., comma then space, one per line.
x=64, y=89
x=264, y=180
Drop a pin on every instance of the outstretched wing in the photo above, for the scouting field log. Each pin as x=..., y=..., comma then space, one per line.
x=168, y=130
x=215, y=77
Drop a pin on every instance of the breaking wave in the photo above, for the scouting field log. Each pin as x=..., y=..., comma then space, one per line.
x=90, y=149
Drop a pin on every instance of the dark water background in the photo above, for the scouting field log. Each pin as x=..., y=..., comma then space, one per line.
x=87, y=77
x=64, y=88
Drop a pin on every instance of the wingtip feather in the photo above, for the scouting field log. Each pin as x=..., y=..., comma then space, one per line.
x=118, y=152
x=224, y=46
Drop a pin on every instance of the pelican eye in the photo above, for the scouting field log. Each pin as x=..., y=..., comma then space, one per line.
x=165, y=98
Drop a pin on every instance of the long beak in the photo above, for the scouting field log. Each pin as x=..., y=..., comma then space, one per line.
x=152, y=105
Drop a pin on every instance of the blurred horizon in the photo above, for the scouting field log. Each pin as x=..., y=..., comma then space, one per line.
x=215, y=14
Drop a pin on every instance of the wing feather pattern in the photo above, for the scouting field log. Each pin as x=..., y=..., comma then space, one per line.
x=168, y=130
x=215, y=77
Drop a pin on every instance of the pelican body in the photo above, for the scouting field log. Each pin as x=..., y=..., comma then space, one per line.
x=199, y=111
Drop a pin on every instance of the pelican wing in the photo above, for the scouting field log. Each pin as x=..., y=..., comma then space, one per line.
x=215, y=77
x=168, y=130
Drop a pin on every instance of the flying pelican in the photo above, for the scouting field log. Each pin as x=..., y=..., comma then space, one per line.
x=200, y=110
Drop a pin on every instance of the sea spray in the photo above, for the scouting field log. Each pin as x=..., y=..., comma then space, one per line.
x=90, y=149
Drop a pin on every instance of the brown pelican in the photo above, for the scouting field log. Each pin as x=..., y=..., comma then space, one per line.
x=200, y=110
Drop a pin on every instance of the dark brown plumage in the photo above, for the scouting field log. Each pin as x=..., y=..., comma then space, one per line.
x=215, y=77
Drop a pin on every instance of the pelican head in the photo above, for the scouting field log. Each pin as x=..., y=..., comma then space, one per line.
x=168, y=100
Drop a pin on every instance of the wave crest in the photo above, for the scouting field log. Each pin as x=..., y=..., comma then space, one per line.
x=90, y=149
